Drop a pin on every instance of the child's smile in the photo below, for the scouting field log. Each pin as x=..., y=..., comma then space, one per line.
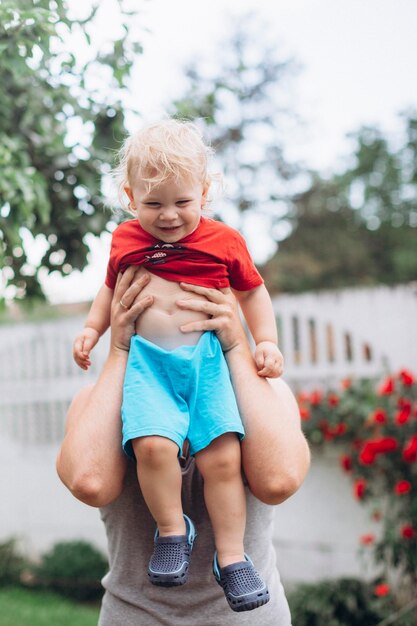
x=171, y=211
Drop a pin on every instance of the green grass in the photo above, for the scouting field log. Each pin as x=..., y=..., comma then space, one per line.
x=21, y=607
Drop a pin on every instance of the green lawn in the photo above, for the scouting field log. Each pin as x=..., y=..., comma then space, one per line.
x=20, y=607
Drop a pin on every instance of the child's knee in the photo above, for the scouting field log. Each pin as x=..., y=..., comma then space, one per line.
x=221, y=459
x=154, y=450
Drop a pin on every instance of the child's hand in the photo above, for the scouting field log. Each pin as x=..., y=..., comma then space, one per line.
x=83, y=345
x=269, y=360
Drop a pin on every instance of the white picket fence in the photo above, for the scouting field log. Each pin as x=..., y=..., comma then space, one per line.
x=38, y=378
x=325, y=337
x=364, y=332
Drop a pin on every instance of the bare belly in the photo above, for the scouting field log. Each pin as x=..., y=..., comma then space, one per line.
x=161, y=322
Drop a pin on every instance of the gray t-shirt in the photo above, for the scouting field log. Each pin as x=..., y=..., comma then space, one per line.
x=131, y=600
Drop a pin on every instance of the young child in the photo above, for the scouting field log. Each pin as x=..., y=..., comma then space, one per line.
x=177, y=385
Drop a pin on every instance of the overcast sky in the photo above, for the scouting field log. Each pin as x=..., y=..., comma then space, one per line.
x=358, y=66
x=357, y=57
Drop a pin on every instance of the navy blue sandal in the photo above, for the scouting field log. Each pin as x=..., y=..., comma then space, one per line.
x=170, y=561
x=243, y=587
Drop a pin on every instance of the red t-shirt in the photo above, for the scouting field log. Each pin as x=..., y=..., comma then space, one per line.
x=214, y=255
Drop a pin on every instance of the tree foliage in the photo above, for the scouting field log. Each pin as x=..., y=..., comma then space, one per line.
x=61, y=116
x=382, y=181
x=358, y=227
x=240, y=105
x=57, y=128
x=354, y=228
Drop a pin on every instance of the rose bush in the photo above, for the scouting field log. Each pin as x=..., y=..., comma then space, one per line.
x=376, y=427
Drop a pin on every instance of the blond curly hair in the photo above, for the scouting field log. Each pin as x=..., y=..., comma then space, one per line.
x=170, y=149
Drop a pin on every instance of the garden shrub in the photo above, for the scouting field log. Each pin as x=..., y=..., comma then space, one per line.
x=375, y=430
x=74, y=569
x=342, y=602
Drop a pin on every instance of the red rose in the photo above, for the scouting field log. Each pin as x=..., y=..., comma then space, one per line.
x=359, y=488
x=406, y=377
x=387, y=387
x=367, y=540
x=316, y=398
x=367, y=455
x=333, y=399
x=402, y=416
x=410, y=450
x=407, y=532
x=385, y=444
x=304, y=413
x=377, y=446
x=379, y=416
x=402, y=486
x=340, y=429
x=326, y=430
x=381, y=590
x=346, y=462
x=346, y=383
x=404, y=403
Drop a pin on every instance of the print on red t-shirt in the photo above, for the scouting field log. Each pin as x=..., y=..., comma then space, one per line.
x=214, y=255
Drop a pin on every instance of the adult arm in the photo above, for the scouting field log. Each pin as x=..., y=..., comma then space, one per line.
x=90, y=461
x=275, y=454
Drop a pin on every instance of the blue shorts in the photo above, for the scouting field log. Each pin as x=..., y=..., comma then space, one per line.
x=185, y=393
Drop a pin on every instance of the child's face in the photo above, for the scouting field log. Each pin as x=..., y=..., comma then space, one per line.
x=170, y=211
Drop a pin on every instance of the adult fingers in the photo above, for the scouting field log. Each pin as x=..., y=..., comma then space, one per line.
x=124, y=280
x=214, y=295
x=127, y=278
x=204, y=306
x=129, y=287
x=138, y=308
x=201, y=326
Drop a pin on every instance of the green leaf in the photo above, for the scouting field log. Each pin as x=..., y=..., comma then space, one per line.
x=42, y=91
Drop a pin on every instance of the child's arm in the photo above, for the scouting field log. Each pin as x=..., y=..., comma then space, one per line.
x=257, y=308
x=97, y=322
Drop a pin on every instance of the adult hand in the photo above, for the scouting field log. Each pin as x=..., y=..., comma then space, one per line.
x=127, y=305
x=221, y=306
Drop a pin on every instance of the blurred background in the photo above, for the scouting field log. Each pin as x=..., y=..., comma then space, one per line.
x=312, y=110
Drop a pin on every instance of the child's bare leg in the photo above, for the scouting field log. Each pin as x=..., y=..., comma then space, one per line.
x=159, y=476
x=224, y=494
